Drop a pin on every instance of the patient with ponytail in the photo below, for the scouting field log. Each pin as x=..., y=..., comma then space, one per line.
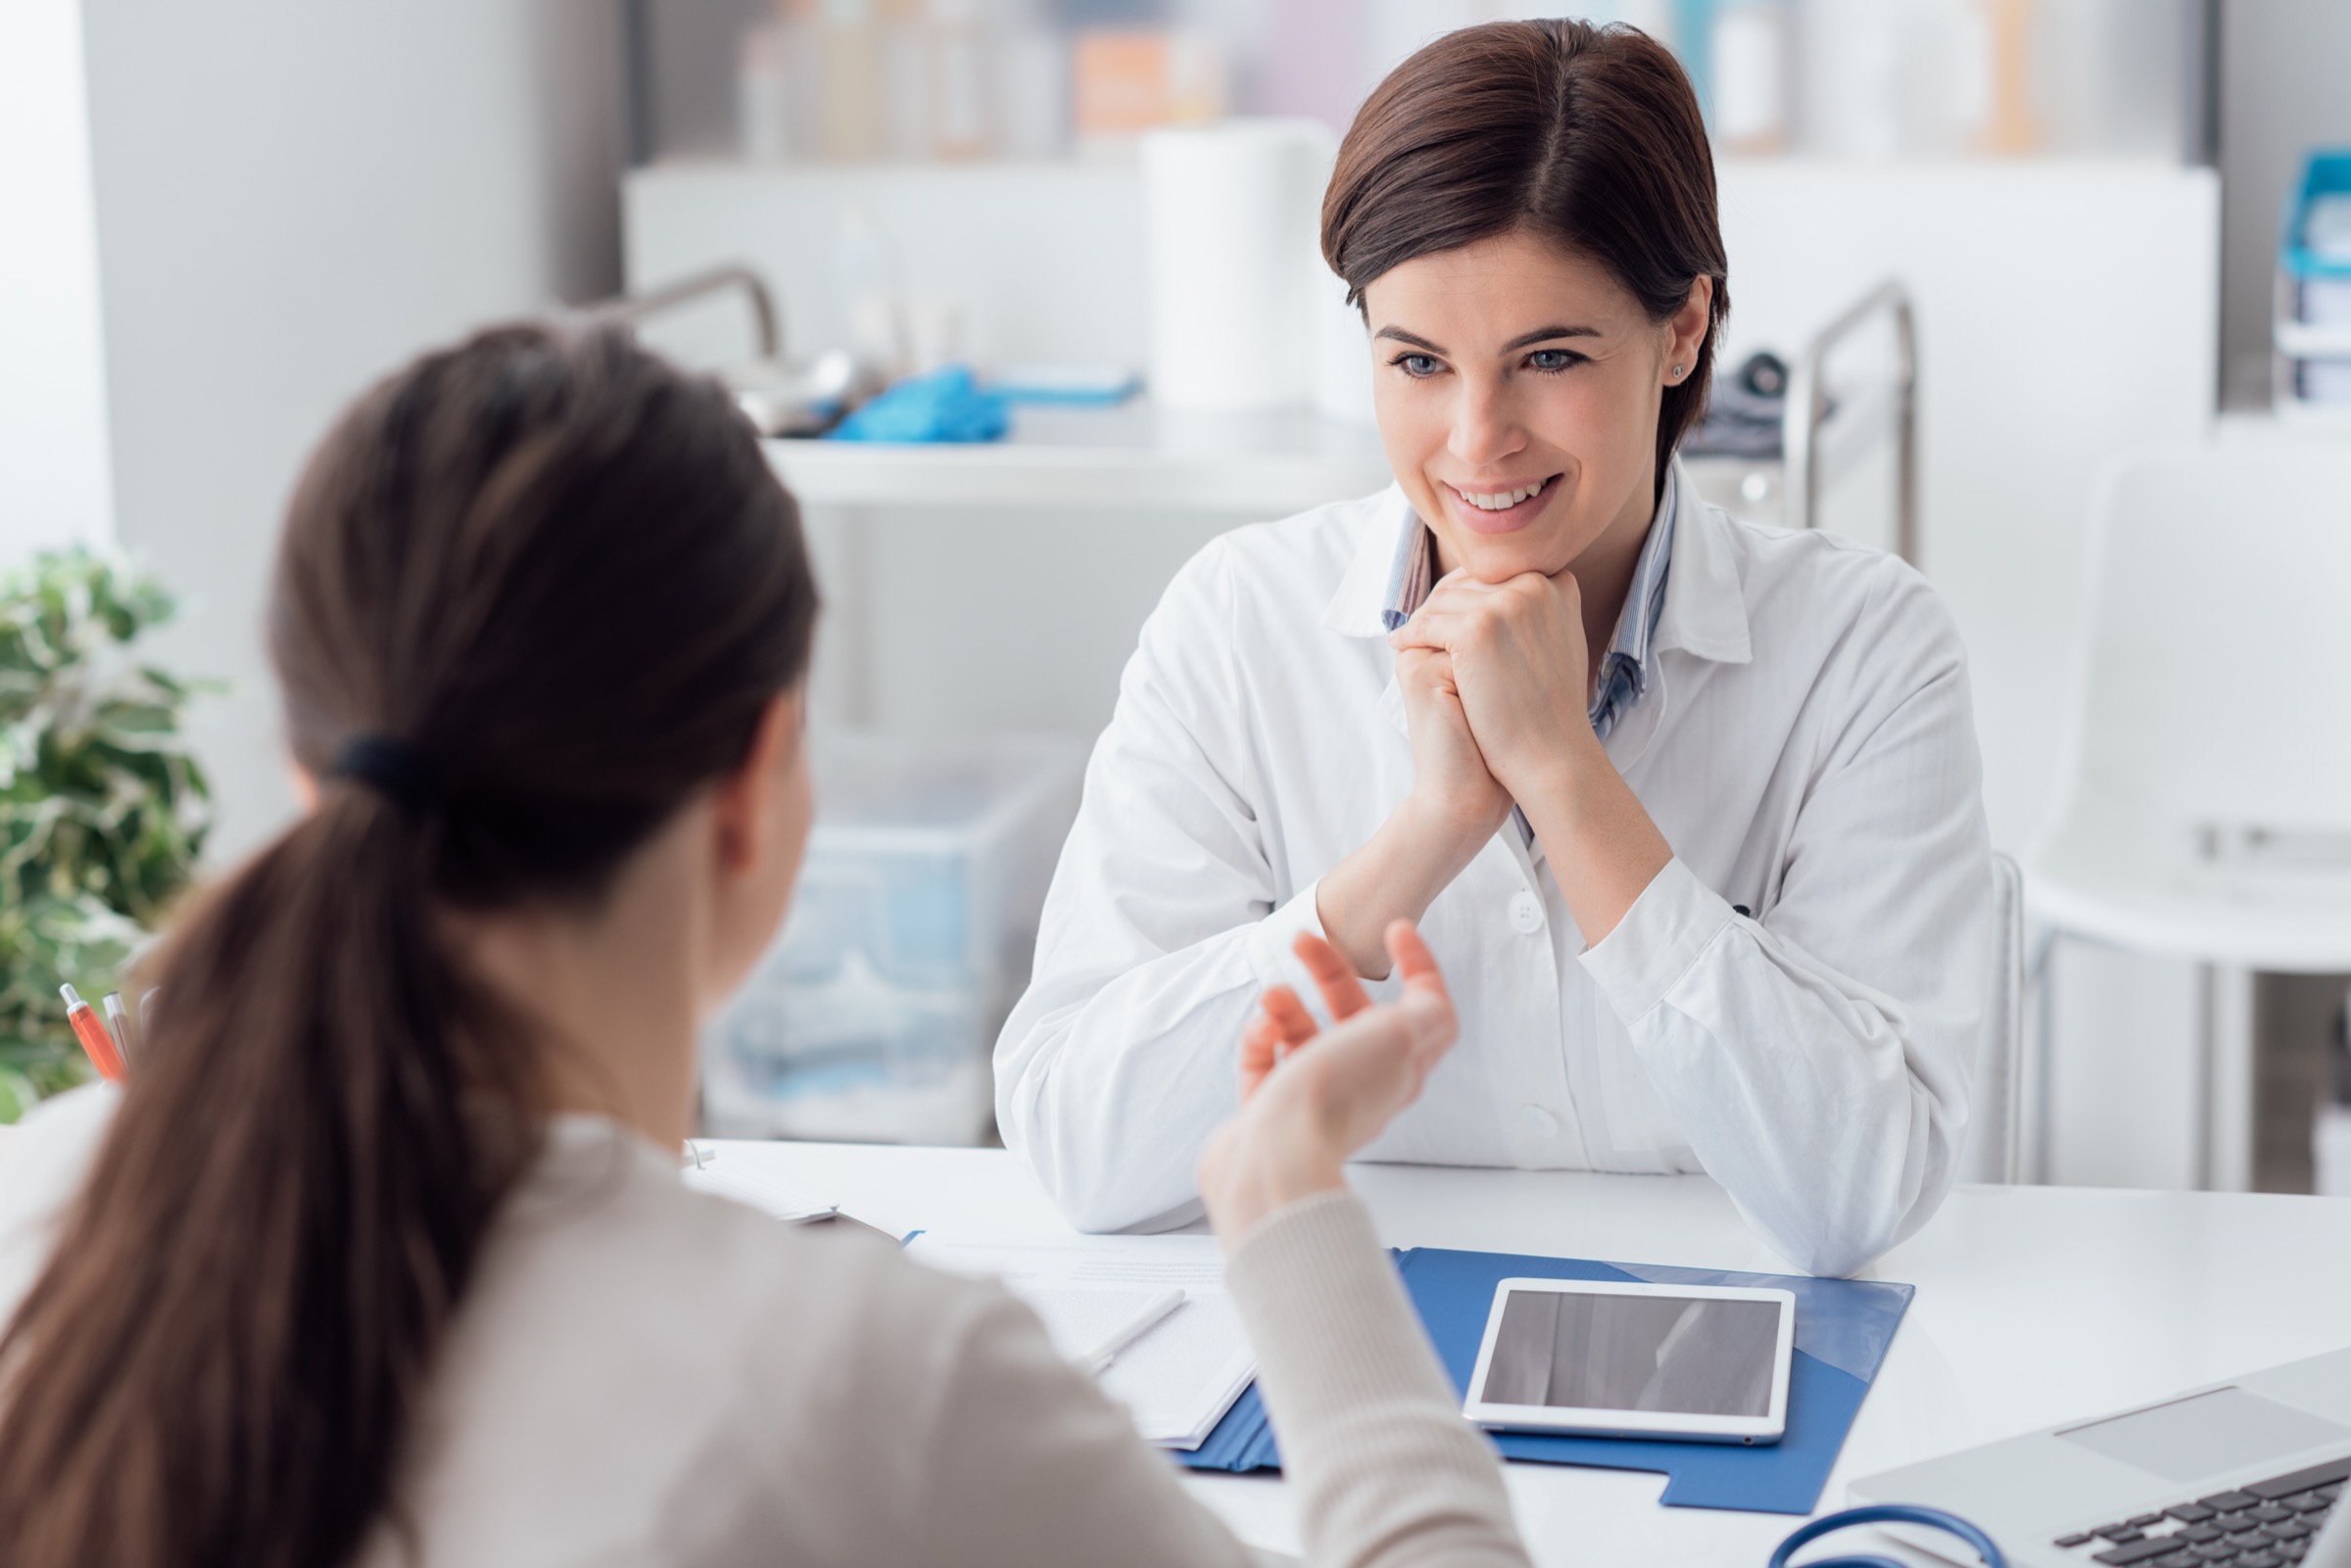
x=381, y=1255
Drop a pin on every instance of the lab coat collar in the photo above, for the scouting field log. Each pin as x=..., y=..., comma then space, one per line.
x=1363, y=592
x=1706, y=608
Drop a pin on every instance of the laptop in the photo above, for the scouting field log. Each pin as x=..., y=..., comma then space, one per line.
x=2243, y=1474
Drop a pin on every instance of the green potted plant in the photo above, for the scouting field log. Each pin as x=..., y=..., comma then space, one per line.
x=103, y=807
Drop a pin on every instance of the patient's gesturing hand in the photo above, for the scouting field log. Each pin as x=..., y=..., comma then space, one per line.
x=1308, y=1100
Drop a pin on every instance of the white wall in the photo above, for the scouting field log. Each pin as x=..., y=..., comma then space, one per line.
x=292, y=198
x=2042, y=356
x=54, y=484
x=2066, y=314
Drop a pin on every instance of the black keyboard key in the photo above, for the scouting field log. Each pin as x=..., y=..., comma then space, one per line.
x=2235, y=1519
x=2141, y=1521
x=2076, y=1539
x=2117, y=1531
x=2289, y=1529
x=2246, y=1538
x=2181, y=1559
x=2293, y=1550
x=2215, y=1550
x=2191, y=1513
x=2261, y=1559
x=2332, y=1472
x=2318, y=1501
x=2269, y=1513
x=2133, y=1551
x=2229, y=1501
x=2197, y=1534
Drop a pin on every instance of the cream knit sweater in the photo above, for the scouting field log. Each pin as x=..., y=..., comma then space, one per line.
x=644, y=1375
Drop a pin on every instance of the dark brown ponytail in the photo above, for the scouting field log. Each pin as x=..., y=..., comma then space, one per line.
x=1590, y=136
x=533, y=592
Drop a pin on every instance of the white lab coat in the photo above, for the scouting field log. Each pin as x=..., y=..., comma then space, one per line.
x=1808, y=749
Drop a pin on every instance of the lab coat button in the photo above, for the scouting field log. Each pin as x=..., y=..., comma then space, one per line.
x=1526, y=911
x=1544, y=1123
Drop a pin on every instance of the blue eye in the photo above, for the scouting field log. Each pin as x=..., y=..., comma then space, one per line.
x=1417, y=365
x=1553, y=360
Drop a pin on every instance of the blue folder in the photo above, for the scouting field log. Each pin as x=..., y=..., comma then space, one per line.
x=1843, y=1330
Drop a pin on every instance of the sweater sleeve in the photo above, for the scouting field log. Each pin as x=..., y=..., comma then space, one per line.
x=1032, y=1466
x=1385, y=1470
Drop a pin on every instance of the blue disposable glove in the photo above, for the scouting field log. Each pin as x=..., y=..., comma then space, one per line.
x=948, y=404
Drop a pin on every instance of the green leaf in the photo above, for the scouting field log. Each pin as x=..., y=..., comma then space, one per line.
x=103, y=807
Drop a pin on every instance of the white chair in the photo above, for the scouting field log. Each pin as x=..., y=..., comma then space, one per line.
x=2204, y=808
x=1994, y=1139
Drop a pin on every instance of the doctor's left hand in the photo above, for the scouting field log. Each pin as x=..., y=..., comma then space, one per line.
x=1310, y=1099
x=1521, y=666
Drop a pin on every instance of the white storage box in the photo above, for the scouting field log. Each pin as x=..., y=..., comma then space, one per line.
x=874, y=1016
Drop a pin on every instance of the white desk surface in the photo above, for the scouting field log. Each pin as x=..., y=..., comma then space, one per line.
x=1133, y=458
x=2035, y=1305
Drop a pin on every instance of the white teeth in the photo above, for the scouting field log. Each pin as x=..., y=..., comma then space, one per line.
x=1502, y=500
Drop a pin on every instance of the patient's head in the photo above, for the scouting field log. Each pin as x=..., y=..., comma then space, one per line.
x=533, y=592
x=539, y=599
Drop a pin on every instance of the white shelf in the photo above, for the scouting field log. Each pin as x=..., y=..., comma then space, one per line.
x=2304, y=340
x=2299, y=425
x=1134, y=458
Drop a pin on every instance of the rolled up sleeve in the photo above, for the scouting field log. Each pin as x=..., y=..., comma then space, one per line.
x=1818, y=1057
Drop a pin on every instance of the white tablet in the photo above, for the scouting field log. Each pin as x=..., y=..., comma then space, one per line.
x=1600, y=1358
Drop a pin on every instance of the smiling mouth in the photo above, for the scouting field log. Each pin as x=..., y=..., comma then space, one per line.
x=1502, y=501
x=1509, y=509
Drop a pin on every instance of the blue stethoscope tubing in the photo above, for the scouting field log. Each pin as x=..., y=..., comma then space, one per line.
x=1885, y=1513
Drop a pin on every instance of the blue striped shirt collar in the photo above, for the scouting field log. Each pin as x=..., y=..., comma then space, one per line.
x=1624, y=669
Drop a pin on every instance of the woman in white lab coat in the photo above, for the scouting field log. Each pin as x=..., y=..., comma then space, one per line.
x=1688, y=808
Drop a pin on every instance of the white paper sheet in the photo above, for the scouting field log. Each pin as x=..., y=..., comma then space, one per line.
x=707, y=1170
x=1179, y=1378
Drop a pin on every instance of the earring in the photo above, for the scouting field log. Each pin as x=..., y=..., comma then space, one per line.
x=1677, y=374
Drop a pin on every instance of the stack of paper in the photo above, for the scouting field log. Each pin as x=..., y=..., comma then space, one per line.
x=707, y=1169
x=1183, y=1374
x=1094, y=1324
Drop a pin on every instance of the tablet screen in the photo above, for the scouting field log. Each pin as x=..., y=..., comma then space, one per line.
x=1681, y=1354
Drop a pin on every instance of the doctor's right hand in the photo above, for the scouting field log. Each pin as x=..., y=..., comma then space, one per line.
x=1309, y=1098
x=1453, y=808
x=1453, y=792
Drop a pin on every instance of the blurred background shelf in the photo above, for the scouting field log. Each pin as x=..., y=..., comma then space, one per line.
x=292, y=198
x=1105, y=459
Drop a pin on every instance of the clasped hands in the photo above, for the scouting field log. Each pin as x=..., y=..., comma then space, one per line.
x=1496, y=679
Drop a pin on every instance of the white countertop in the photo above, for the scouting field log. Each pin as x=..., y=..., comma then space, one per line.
x=1132, y=458
x=2035, y=1305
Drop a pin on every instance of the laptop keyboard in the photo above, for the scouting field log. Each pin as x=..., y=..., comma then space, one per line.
x=2262, y=1524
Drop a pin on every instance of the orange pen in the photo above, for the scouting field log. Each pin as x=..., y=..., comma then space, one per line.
x=90, y=1029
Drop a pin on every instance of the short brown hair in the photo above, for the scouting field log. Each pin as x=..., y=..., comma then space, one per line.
x=1588, y=135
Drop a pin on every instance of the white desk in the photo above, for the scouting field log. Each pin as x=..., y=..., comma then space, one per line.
x=2035, y=1304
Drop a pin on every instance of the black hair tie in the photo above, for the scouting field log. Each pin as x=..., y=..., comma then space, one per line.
x=393, y=768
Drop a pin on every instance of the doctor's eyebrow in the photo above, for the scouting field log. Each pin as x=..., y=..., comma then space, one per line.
x=1527, y=340
x=1522, y=340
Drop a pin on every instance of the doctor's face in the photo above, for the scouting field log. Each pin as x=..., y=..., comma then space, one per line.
x=1518, y=387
